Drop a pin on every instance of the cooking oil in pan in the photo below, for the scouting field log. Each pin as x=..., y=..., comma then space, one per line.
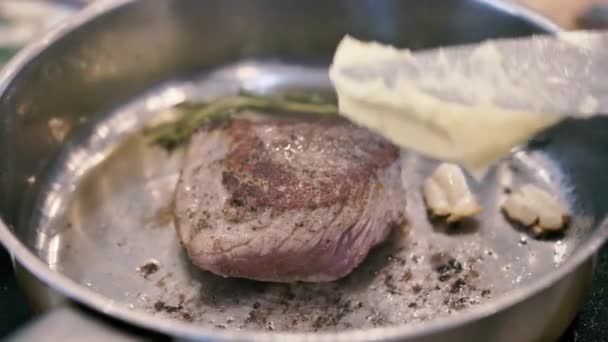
x=105, y=221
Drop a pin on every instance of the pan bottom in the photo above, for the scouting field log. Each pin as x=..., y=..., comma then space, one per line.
x=104, y=221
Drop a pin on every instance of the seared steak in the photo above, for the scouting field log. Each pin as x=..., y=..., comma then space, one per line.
x=287, y=199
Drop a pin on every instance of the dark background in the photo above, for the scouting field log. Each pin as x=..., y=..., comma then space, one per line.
x=13, y=308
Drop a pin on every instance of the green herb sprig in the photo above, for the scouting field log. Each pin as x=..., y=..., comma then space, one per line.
x=173, y=134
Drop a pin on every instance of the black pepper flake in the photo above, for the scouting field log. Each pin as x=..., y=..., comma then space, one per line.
x=441, y=269
x=389, y=282
x=458, y=285
x=148, y=268
x=456, y=303
x=445, y=277
x=172, y=309
x=377, y=319
x=407, y=276
x=258, y=316
x=455, y=265
x=319, y=323
x=162, y=306
x=445, y=265
x=158, y=306
x=334, y=313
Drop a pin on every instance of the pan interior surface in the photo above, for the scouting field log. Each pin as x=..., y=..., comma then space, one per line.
x=104, y=220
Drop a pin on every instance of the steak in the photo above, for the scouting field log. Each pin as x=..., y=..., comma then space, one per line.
x=287, y=199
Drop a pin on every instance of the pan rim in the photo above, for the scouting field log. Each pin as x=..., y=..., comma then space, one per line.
x=88, y=297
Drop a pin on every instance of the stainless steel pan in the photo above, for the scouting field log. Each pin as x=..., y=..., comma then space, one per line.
x=84, y=197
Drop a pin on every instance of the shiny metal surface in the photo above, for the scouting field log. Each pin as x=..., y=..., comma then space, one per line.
x=45, y=328
x=104, y=213
x=87, y=197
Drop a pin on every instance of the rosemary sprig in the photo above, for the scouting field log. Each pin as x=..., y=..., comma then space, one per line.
x=171, y=135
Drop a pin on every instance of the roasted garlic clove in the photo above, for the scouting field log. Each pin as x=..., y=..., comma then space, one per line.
x=536, y=208
x=447, y=194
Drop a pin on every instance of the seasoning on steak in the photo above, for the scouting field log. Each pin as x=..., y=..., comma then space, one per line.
x=287, y=199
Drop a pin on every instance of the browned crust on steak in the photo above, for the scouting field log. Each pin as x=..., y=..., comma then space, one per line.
x=257, y=180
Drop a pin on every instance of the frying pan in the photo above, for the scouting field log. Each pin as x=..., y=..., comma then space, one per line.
x=84, y=196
